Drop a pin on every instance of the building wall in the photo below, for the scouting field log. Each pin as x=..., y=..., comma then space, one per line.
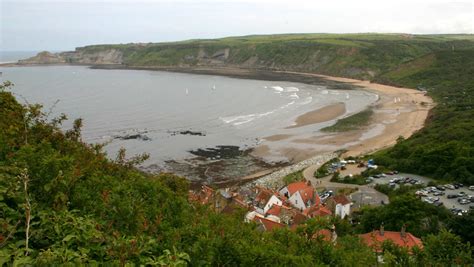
x=272, y=201
x=343, y=210
x=297, y=201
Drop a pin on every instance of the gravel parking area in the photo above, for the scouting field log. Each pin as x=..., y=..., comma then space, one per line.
x=449, y=203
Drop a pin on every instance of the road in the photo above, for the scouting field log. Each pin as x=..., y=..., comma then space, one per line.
x=365, y=194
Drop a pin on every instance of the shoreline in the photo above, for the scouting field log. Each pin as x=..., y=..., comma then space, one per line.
x=398, y=111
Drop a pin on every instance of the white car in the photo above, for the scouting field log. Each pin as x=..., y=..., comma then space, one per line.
x=450, y=186
x=471, y=187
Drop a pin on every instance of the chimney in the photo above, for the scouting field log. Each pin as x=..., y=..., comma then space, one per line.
x=308, y=182
x=403, y=231
x=382, y=230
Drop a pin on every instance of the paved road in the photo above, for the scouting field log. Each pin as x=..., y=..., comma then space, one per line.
x=365, y=195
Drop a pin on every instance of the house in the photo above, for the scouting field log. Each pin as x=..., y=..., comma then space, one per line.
x=340, y=205
x=268, y=225
x=376, y=238
x=328, y=235
x=317, y=211
x=301, y=195
x=265, y=199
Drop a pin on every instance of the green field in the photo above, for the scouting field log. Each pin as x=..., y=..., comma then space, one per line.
x=353, y=122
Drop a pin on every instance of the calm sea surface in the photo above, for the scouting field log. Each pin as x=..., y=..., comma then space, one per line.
x=168, y=115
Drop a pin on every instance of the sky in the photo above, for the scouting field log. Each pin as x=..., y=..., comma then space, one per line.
x=60, y=25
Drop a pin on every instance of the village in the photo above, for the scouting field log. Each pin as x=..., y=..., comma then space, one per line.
x=293, y=204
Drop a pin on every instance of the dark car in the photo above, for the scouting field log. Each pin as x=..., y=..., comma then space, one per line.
x=440, y=187
x=452, y=196
x=438, y=203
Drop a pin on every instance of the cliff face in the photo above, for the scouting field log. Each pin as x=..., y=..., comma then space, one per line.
x=80, y=56
x=43, y=58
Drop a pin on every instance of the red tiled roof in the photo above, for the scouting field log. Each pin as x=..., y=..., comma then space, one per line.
x=297, y=186
x=309, y=194
x=268, y=225
x=341, y=199
x=325, y=233
x=263, y=196
x=375, y=239
x=317, y=210
x=274, y=210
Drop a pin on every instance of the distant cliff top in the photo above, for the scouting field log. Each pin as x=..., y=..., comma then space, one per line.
x=362, y=56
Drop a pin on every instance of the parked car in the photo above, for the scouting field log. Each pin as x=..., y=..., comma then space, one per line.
x=458, y=185
x=461, y=194
x=452, y=196
x=449, y=186
x=471, y=187
x=440, y=187
x=464, y=201
x=438, y=193
x=421, y=193
x=438, y=203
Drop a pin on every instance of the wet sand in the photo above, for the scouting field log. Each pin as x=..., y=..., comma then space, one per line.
x=398, y=112
x=324, y=114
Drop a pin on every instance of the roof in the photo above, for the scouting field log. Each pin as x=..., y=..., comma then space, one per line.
x=324, y=233
x=274, y=210
x=263, y=195
x=317, y=211
x=297, y=186
x=341, y=199
x=375, y=239
x=308, y=194
x=268, y=225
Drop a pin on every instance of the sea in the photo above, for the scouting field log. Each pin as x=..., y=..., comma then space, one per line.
x=187, y=123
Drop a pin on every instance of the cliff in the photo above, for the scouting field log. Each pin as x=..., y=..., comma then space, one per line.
x=362, y=56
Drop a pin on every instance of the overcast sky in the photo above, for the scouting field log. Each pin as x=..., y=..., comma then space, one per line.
x=60, y=25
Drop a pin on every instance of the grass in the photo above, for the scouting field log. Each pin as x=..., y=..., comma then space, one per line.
x=353, y=122
x=323, y=171
x=293, y=177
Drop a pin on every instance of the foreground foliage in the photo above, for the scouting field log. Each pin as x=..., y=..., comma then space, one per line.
x=62, y=201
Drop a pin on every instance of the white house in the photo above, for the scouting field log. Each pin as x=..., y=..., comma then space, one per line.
x=274, y=200
x=340, y=205
x=301, y=195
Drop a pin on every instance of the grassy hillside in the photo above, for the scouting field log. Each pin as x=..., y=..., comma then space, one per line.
x=444, y=149
x=351, y=55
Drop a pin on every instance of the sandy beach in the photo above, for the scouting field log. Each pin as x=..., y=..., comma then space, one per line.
x=323, y=114
x=397, y=112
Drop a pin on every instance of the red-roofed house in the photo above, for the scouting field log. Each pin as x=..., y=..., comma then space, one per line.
x=340, y=205
x=375, y=239
x=266, y=199
x=301, y=195
x=317, y=211
x=268, y=225
x=326, y=234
